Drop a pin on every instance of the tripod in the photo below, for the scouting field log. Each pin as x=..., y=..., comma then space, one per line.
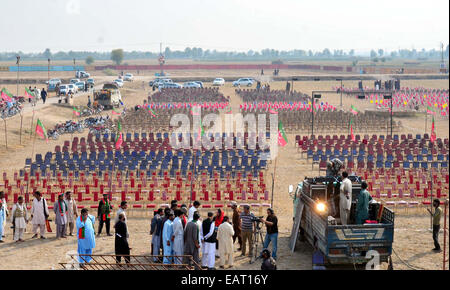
x=257, y=238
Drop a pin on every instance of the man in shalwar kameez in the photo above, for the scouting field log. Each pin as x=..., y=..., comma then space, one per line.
x=225, y=235
x=178, y=233
x=60, y=208
x=2, y=219
x=209, y=242
x=19, y=219
x=168, y=239
x=85, y=235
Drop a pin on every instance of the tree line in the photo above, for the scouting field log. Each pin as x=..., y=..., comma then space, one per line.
x=119, y=56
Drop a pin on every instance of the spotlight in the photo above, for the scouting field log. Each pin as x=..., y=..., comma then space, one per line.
x=321, y=207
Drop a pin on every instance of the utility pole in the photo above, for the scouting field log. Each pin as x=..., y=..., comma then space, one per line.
x=18, y=71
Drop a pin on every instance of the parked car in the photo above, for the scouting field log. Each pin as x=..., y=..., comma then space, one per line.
x=191, y=85
x=128, y=77
x=82, y=75
x=200, y=83
x=72, y=88
x=51, y=87
x=119, y=82
x=91, y=82
x=63, y=89
x=74, y=81
x=53, y=82
x=159, y=81
x=243, y=82
x=80, y=85
x=171, y=86
x=218, y=82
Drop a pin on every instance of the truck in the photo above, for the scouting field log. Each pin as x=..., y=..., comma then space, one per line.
x=109, y=96
x=82, y=75
x=317, y=223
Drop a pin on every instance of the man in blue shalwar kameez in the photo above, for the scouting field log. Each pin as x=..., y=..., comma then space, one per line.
x=85, y=235
x=168, y=238
x=362, y=205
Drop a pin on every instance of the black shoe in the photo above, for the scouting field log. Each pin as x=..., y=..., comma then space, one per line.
x=43, y=238
x=437, y=250
x=2, y=241
x=109, y=235
x=35, y=236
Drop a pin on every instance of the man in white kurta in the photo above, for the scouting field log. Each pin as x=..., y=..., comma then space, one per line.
x=72, y=213
x=39, y=214
x=2, y=218
x=225, y=235
x=5, y=209
x=178, y=233
x=193, y=209
x=209, y=242
x=345, y=199
x=19, y=219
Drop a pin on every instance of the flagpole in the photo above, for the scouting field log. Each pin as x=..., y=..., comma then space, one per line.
x=273, y=180
x=6, y=135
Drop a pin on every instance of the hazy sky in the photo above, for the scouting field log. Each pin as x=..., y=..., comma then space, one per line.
x=33, y=25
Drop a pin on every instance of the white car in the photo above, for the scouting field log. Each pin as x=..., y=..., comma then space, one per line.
x=119, y=82
x=72, y=88
x=243, y=82
x=53, y=82
x=74, y=81
x=218, y=82
x=128, y=77
x=191, y=85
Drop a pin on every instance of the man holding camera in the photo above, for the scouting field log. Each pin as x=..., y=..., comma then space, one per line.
x=271, y=223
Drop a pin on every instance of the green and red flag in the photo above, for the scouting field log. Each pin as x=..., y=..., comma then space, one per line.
x=119, y=141
x=76, y=111
x=114, y=112
x=29, y=94
x=6, y=96
x=229, y=111
x=354, y=110
x=151, y=112
x=433, y=132
x=431, y=111
x=40, y=130
x=119, y=126
x=352, y=135
x=282, y=138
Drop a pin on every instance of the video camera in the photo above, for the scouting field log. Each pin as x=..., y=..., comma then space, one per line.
x=257, y=220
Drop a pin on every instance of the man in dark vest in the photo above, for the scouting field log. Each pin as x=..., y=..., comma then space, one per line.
x=104, y=214
x=121, y=246
x=209, y=242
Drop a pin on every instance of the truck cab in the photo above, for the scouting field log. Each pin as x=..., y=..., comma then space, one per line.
x=109, y=96
x=317, y=222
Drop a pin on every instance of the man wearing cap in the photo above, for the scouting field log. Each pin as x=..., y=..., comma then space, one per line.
x=60, y=208
x=236, y=224
x=104, y=214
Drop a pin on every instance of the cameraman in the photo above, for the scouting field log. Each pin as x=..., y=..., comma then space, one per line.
x=272, y=232
x=247, y=228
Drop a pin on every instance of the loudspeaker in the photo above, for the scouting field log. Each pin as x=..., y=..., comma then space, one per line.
x=361, y=97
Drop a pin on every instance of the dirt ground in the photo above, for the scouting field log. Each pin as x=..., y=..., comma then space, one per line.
x=412, y=241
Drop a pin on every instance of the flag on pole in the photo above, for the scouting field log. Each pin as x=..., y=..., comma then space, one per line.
x=40, y=130
x=152, y=112
x=114, y=112
x=354, y=110
x=433, y=132
x=282, y=138
x=352, y=135
x=273, y=112
x=119, y=126
x=28, y=93
x=119, y=141
x=431, y=111
x=6, y=96
x=76, y=111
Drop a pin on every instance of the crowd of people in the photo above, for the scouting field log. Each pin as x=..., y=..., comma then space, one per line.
x=177, y=232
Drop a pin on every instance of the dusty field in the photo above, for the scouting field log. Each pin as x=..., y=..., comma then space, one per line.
x=412, y=240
